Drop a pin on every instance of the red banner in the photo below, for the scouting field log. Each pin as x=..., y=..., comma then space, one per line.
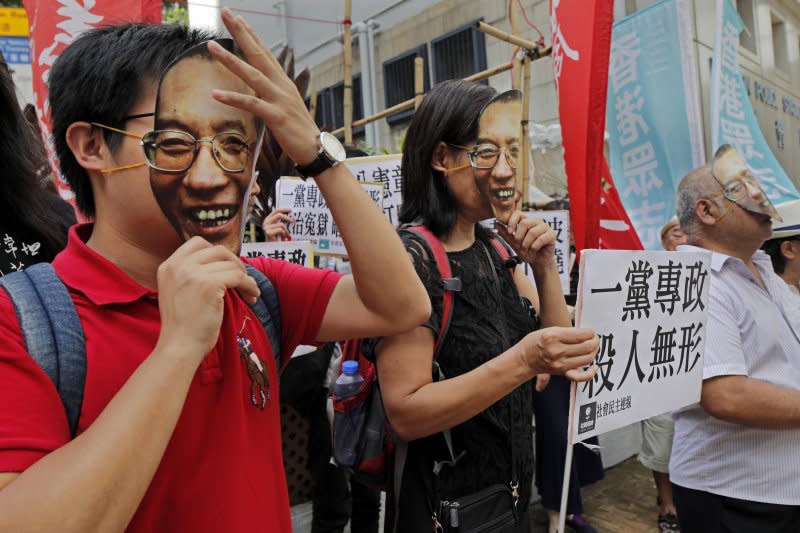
x=54, y=25
x=581, y=44
x=616, y=230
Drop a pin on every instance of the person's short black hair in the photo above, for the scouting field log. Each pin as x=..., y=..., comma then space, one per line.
x=101, y=76
x=449, y=113
x=557, y=205
x=773, y=249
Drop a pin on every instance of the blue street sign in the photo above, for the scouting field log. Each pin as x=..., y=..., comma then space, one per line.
x=16, y=50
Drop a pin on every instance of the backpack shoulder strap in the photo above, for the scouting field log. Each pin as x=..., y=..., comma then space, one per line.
x=504, y=250
x=268, y=311
x=52, y=332
x=449, y=283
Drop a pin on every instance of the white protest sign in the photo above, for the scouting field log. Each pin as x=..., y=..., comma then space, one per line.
x=297, y=252
x=649, y=310
x=558, y=220
x=313, y=220
x=383, y=169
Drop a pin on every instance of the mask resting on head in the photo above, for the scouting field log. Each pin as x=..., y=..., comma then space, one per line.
x=202, y=153
x=739, y=185
x=497, y=152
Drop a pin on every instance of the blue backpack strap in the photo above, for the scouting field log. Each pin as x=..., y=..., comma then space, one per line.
x=52, y=332
x=268, y=311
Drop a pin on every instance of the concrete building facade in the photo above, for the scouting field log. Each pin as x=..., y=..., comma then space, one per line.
x=442, y=32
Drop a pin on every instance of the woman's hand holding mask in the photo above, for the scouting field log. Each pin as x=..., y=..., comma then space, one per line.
x=531, y=238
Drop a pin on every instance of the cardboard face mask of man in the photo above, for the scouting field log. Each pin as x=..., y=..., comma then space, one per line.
x=202, y=153
x=739, y=185
x=497, y=152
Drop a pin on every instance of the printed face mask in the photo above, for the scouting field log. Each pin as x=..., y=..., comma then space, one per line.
x=739, y=185
x=202, y=153
x=497, y=152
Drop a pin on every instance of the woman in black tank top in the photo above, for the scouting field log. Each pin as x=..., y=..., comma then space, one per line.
x=502, y=335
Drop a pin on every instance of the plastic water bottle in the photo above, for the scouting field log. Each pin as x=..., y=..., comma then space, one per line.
x=349, y=380
x=346, y=425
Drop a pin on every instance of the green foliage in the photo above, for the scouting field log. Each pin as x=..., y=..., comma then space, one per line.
x=371, y=150
x=10, y=3
x=176, y=14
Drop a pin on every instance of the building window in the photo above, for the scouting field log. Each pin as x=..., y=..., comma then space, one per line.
x=330, y=106
x=747, y=39
x=458, y=54
x=324, y=115
x=398, y=81
x=337, y=102
x=779, y=44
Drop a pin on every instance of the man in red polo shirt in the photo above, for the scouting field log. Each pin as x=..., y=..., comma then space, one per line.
x=168, y=437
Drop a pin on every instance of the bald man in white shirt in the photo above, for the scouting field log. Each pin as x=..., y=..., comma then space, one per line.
x=735, y=464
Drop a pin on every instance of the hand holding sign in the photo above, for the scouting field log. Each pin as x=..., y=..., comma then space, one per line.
x=561, y=350
x=276, y=225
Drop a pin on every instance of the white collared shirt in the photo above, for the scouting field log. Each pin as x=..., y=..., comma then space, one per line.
x=749, y=334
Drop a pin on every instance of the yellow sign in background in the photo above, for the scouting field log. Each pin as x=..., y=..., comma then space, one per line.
x=13, y=22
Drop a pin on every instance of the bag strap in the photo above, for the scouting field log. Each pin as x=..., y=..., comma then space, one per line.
x=267, y=309
x=52, y=332
x=504, y=250
x=504, y=254
x=449, y=283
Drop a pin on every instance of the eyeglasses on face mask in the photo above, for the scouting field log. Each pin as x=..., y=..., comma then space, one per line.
x=175, y=151
x=486, y=156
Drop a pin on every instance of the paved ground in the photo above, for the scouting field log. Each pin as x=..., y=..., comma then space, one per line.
x=623, y=502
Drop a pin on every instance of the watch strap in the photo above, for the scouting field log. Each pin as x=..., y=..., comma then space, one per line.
x=316, y=167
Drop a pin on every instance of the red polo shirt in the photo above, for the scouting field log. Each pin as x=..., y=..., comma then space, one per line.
x=222, y=469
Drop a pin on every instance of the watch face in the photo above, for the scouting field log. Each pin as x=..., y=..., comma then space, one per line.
x=332, y=146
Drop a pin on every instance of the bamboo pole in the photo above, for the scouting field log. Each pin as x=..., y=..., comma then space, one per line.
x=507, y=37
x=489, y=72
x=513, y=16
x=419, y=81
x=409, y=104
x=402, y=106
x=348, y=79
x=525, y=141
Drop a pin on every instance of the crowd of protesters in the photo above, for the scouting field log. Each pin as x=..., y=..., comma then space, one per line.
x=173, y=432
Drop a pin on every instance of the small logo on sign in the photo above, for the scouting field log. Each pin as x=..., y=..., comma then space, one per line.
x=586, y=417
x=324, y=244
